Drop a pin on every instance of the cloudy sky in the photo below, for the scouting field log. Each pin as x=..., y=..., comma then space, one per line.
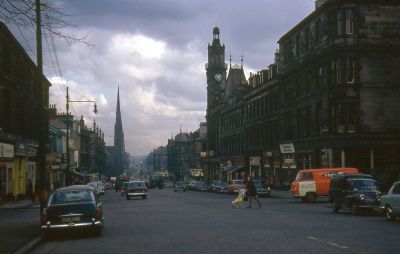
x=155, y=50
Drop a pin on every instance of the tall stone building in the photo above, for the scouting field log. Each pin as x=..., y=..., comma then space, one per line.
x=330, y=99
x=119, y=143
x=216, y=78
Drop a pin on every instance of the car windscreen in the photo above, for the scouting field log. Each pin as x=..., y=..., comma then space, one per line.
x=362, y=184
x=136, y=185
x=238, y=181
x=74, y=196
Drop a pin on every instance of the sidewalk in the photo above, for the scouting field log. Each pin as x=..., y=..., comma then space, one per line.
x=19, y=226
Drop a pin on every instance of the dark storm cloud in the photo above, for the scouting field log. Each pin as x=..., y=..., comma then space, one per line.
x=156, y=51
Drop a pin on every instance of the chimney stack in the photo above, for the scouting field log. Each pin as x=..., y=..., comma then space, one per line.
x=319, y=3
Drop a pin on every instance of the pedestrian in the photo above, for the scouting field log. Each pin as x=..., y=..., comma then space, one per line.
x=252, y=192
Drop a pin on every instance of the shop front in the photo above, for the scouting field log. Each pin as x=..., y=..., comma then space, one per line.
x=6, y=170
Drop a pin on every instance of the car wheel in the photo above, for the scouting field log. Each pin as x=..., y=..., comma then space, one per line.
x=335, y=207
x=144, y=197
x=354, y=208
x=127, y=197
x=389, y=213
x=311, y=197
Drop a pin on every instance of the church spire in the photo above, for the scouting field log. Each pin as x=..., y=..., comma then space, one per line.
x=118, y=108
x=119, y=142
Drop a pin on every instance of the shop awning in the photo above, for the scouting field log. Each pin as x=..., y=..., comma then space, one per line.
x=234, y=168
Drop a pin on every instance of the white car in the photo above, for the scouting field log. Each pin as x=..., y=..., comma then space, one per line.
x=98, y=186
x=390, y=202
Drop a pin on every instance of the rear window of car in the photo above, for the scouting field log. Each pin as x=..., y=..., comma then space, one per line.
x=137, y=185
x=76, y=196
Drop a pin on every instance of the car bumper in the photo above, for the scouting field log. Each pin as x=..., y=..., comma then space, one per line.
x=88, y=224
x=136, y=194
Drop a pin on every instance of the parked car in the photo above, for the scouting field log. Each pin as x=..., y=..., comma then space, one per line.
x=76, y=207
x=192, y=185
x=203, y=186
x=215, y=185
x=235, y=185
x=136, y=189
x=354, y=192
x=98, y=186
x=390, y=202
x=263, y=189
x=123, y=188
x=180, y=186
x=313, y=183
x=222, y=187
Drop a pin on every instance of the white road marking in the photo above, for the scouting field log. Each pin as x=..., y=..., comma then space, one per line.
x=327, y=242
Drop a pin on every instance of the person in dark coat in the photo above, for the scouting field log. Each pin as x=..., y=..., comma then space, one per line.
x=252, y=191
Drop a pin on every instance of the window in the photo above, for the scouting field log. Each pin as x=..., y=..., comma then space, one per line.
x=339, y=22
x=307, y=39
x=307, y=176
x=350, y=69
x=349, y=21
x=346, y=117
x=345, y=22
x=396, y=189
x=344, y=70
x=298, y=41
x=317, y=32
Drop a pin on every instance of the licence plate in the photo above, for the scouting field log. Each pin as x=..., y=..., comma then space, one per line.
x=70, y=219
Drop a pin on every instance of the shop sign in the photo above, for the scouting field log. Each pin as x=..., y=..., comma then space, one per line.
x=287, y=148
x=6, y=151
x=20, y=149
x=255, y=161
x=237, y=160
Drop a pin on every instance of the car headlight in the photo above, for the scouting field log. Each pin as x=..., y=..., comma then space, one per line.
x=362, y=197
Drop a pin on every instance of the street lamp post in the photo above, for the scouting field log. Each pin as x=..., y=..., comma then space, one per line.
x=141, y=171
x=68, y=173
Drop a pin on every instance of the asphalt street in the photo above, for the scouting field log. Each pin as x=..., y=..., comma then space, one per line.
x=196, y=222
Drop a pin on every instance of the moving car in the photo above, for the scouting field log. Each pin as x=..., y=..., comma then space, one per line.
x=355, y=192
x=180, y=186
x=263, y=189
x=136, y=189
x=235, y=185
x=312, y=183
x=73, y=208
x=390, y=202
x=98, y=186
x=123, y=188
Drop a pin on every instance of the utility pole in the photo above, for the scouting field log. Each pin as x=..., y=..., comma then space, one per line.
x=42, y=115
x=67, y=172
x=141, y=171
x=68, y=180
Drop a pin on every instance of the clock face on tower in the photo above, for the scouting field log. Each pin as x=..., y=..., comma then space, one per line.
x=218, y=77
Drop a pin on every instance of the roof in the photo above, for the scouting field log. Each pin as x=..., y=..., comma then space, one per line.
x=235, y=79
x=75, y=187
x=325, y=169
x=182, y=137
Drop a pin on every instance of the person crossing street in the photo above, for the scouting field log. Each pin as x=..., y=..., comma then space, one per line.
x=252, y=192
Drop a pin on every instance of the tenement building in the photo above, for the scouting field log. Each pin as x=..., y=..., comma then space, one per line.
x=19, y=114
x=330, y=99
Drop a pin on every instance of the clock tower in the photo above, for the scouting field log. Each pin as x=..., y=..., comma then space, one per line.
x=216, y=70
x=216, y=79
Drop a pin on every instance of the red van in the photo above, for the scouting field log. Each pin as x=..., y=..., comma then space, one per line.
x=312, y=183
